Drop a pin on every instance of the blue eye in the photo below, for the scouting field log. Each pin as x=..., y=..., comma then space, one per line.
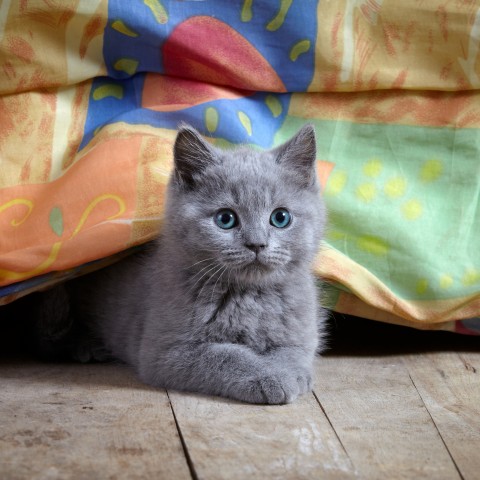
x=280, y=218
x=226, y=219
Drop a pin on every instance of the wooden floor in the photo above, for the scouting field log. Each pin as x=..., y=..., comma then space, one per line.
x=389, y=403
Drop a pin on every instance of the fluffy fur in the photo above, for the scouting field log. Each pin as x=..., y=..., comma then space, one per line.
x=230, y=312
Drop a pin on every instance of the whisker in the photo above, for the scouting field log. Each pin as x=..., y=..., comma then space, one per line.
x=214, y=273
x=206, y=273
x=202, y=270
x=201, y=261
x=215, y=286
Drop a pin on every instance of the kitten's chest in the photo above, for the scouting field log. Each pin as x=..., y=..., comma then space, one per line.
x=261, y=319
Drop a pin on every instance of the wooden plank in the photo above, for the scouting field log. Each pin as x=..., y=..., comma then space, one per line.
x=449, y=384
x=84, y=422
x=380, y=419
x=227, y=439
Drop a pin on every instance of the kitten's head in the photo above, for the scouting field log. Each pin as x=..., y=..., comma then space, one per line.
x=253, y=214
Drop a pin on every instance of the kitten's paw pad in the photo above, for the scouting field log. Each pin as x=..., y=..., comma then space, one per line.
x=275, y=389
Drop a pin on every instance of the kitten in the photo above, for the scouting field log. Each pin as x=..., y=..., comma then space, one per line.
x=223, y=302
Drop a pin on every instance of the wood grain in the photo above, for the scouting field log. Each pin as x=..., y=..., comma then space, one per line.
x=402, y=416
x=85, y=422
x=230, y=440
x=380, y=419
x=449, y=384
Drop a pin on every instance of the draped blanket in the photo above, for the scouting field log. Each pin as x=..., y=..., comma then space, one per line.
x=92, y=93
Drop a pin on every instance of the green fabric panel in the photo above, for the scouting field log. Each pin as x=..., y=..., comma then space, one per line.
x=404, y=202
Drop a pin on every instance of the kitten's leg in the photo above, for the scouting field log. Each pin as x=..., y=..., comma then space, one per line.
x=231, y=370
x=299, y=361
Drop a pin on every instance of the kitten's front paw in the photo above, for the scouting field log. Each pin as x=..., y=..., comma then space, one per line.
x=279, y=388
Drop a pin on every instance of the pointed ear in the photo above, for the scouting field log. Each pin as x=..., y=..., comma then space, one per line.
x=191, y=154
x=299, y=154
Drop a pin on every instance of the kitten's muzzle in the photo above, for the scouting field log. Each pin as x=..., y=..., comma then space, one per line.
x=256, y=247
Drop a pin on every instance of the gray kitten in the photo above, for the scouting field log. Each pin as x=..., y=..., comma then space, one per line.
x=223, y=302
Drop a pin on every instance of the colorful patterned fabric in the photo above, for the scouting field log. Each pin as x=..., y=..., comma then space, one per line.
x=93, y=91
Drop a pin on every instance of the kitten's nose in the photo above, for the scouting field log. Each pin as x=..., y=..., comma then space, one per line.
x=255, y=247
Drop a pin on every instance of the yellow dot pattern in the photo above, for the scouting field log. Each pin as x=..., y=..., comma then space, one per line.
x=422, y=286
x=412, y=209
x=373, y=245
x=402, y=192
x=431, y=170
x=366, y=192
x=446, y=281
x=373, y=168
x=336, y=183
x=336, y=235
x=395, y=187
x=471, y=277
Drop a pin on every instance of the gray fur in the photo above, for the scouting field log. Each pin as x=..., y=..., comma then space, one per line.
x=195, y=310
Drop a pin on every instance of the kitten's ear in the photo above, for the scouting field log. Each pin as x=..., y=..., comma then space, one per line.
x=299, y=154
x=191, y=154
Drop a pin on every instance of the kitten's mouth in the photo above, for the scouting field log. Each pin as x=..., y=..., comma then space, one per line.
x=259, y=265
x=254, y=271
x=253, y=267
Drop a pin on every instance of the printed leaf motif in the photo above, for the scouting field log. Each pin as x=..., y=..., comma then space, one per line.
x=246, y=122
x=158, y=10
x=247, y=11
x=273, y=103
x=119, y=26
x=211, y=119
x=127, y=65
x=56, y=221
x=277, y=22
x=300, y=47
x=108, y=90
